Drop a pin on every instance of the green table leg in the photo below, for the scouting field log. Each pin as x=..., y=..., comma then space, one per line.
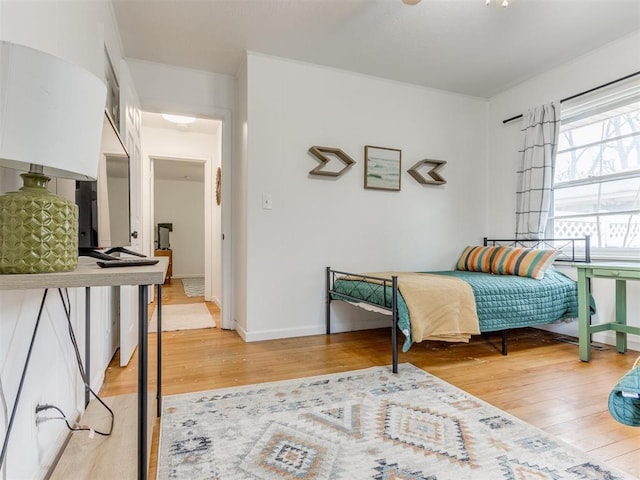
x=621, y=314
x=584, y=319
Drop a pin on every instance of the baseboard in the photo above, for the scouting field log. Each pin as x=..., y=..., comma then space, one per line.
x=188, y=275
x=278, y=333
x=240, y=330
x=63, y=441
x=608, y=337
x=336, y=327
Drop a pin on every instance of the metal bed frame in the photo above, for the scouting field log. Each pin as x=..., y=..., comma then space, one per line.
x=379, y=285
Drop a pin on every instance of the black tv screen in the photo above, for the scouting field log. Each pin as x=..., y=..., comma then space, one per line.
x=104, y=212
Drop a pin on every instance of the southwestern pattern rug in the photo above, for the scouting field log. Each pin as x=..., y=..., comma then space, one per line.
x=364, y=424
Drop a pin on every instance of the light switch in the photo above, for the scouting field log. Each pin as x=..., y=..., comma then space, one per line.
x=267, y=203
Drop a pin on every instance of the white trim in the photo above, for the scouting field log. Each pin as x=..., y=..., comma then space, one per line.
x=279, y=333
x=609, y=338
x=226, y=318
x=216, y=300
x=208, y=199
x=621, y=92
x=188, y=275
x=225, y=117
x=336, y=327
x=615, y=254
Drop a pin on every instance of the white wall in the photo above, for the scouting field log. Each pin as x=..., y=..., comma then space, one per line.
x=187, y=244
x=77, y=32
x=612, y=61
x=182, y=204
x=320, y=221
x=167, y=88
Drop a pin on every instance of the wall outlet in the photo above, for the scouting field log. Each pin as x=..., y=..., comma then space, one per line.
x=36, y=419
x=40, y=414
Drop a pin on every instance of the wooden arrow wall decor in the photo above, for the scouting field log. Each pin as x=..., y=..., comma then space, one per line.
x=319, y=153
x=436, y=178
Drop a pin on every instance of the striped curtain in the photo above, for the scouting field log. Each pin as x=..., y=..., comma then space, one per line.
x=540, y=127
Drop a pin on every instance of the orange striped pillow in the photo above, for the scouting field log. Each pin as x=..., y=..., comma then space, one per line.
x=524, y=262
x=476, y=259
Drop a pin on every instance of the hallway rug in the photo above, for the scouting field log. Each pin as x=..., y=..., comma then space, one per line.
x=193, y=287
x=187, y=316
x=363, y=424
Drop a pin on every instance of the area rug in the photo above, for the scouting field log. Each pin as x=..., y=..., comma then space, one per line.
x=186, y=316
x=193, y=287
x=364, y=424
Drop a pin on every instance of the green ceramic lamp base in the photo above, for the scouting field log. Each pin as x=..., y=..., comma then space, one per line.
x=38, y=230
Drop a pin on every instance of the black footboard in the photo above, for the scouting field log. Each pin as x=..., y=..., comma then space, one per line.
x=358, y=288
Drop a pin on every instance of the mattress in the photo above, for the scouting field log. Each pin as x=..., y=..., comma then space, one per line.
x=502, y=301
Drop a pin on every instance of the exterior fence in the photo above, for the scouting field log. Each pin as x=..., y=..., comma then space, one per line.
x=603, y=233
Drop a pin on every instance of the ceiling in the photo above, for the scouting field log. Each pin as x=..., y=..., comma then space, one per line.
x=457, y=45
x=199, y=125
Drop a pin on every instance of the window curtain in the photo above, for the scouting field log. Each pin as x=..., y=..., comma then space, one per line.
x=540, y=129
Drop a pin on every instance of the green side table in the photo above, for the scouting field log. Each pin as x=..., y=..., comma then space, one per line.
x=620, y=272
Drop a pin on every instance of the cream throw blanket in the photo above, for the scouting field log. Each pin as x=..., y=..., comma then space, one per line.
x=440, y=307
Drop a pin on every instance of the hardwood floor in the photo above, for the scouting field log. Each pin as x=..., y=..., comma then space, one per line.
x=541, y=381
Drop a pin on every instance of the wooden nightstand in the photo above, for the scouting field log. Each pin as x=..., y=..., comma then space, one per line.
x=620, y=272
x=166, y=253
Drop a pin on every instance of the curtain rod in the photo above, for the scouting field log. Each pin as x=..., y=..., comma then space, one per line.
x=582, y=93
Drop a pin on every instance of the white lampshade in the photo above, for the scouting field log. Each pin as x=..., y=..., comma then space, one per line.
x=51, y=114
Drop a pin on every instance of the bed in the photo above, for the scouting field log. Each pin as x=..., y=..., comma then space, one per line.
x=502, y=301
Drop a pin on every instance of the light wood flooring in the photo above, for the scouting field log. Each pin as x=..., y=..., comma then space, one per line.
x=541, y=381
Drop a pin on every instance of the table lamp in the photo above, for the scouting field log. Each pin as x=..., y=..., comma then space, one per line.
x=51, y=116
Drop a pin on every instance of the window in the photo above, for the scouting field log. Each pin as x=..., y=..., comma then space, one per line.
x=596, y=188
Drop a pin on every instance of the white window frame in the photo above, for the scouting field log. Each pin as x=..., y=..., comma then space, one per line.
x=618, y=94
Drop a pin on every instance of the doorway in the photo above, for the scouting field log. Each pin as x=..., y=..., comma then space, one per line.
x=183, y=160
x=178, y=216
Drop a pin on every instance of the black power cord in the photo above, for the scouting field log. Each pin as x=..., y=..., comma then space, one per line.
x=67, y=310
x=77, y=428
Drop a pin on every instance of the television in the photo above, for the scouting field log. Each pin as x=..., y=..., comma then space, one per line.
x=104, y=210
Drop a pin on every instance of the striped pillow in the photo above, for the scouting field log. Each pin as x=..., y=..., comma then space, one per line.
x=524, y=262
x=476, y=259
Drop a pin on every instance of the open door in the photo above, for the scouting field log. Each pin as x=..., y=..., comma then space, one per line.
x=129, y=294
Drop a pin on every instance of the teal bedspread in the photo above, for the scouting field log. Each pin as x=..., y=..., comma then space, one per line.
x=502, y=301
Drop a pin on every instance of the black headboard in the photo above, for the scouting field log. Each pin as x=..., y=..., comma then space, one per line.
x=573, y=249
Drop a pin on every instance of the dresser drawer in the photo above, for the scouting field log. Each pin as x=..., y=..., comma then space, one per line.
x=628, y=274
x=166, y=253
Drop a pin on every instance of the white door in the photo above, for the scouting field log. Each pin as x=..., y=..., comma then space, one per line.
x=130, y=128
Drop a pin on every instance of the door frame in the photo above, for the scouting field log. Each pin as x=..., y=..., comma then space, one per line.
x=209, y=195
x=224, y=116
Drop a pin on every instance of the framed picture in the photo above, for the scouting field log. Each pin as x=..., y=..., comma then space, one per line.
x=382, y=168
